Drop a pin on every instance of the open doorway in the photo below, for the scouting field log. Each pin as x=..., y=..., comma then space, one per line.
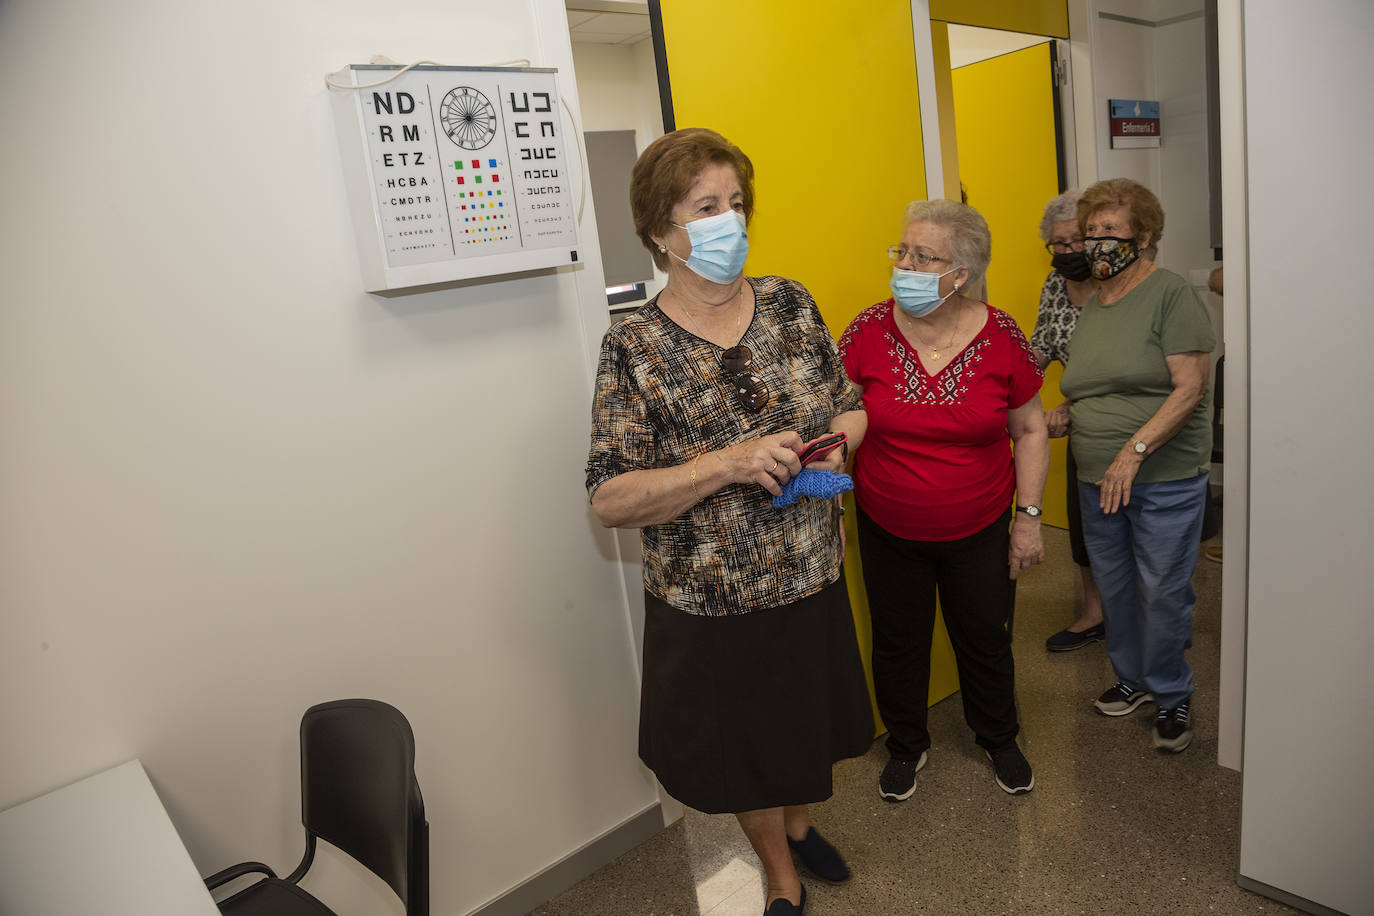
x=1012, y=158
x=617, y=82
x=1007, y=88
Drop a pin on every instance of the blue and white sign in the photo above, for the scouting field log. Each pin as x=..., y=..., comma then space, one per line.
x=1135, y=123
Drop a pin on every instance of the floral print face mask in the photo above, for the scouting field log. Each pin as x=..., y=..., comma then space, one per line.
x=1109, y=255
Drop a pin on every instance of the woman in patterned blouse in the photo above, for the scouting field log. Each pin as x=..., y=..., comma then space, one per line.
x=1069, y=285
x=752, y=684
x=949, y=384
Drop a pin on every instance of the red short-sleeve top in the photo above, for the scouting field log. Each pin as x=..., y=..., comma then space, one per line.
x=936, y=462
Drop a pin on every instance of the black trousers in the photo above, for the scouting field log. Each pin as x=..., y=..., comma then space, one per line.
x=1077, y=549
x=971, y=577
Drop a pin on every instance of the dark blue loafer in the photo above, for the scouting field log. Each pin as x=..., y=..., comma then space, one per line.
x=1066, y=639
x=820, y=858
x=784, y=907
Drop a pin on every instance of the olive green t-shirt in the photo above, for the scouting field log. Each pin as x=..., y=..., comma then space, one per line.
x=1116, y=378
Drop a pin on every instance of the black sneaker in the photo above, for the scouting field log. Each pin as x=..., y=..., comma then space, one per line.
x=898, y=781
x=1171, y=728
x=1011, y=770
x=1120, y=700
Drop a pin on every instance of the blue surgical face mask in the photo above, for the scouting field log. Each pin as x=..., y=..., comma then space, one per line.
x=918, y=293
x=719, y=246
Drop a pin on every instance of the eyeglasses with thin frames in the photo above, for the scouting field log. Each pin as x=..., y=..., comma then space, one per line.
x=900, y=254
x=751, y=391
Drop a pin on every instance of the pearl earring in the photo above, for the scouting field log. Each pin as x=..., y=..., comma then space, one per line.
x=663, y=249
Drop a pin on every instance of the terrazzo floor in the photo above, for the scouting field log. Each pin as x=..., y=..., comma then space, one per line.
x=1112, y=826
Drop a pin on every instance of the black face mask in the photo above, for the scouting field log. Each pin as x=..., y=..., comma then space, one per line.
x=1073, y=265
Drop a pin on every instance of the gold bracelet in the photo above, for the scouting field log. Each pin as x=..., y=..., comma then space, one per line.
x=694, y=477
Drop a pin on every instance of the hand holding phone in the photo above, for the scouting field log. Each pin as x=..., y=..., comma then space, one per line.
x=821, y=446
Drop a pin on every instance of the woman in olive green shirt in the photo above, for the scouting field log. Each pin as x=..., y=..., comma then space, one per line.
x=1142, y=438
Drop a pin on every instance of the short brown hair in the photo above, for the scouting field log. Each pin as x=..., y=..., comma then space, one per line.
x=1146, y=213
x=666, y=171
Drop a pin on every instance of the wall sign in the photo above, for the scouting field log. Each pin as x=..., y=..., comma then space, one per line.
x=454, y=172
x=1135, y=123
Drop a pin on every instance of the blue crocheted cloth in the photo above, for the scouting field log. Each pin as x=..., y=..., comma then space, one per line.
x=820, y=484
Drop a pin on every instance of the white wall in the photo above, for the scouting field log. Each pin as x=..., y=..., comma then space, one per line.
x=233, y=485
x=1123, y=67
x=1180, y=66
x=618, y=86
x=1164, y=62
x=1306, y=824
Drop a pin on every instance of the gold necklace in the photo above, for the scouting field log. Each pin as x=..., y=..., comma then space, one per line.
x=739, y=311
x=934, y=350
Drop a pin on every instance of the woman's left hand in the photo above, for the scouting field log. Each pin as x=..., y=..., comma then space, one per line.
x=1027, y=548
x=833, y=460
x=1116, y=483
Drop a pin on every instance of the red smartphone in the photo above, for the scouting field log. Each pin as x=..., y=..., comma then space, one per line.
x=822, y=446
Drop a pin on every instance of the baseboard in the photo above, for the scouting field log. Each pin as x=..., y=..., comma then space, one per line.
x=575, y=866
x=1287, y=899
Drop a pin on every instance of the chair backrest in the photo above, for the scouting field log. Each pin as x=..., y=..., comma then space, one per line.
x=358, y=792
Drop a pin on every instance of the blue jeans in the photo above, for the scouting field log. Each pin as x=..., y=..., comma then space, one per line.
x=1143, y=557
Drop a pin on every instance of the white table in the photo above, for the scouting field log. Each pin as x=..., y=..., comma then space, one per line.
x=104, y=846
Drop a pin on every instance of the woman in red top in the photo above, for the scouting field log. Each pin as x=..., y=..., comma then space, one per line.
x=950, y=384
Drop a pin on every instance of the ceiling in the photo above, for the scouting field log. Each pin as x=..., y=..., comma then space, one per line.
x=608, y=23
x=969, y=45
x=626, y=22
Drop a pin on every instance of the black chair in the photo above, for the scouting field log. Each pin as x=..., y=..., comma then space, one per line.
x=358, y=792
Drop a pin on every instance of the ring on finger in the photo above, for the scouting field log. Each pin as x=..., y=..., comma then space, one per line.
x=774, y=467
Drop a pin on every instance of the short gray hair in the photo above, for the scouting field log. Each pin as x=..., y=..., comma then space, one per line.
x=970, y=241
x=1058, y=210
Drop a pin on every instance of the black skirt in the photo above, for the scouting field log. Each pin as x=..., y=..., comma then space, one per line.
x=751, y=711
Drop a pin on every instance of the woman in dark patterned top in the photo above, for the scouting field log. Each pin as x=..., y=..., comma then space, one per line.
x=1069, y=285
x=705, y=397
x=949, y=384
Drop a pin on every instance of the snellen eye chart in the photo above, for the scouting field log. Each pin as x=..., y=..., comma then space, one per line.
x=454, y=172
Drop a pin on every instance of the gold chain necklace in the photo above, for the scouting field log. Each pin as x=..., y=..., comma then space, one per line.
x=739, y=311
x=934, y=350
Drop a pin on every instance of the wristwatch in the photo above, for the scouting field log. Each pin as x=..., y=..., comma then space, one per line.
x=1139, y=447
x=1032, y=511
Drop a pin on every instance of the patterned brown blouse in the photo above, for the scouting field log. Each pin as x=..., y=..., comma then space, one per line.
x=661, y=399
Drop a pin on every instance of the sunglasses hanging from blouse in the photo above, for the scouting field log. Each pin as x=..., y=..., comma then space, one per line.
x=751, y=391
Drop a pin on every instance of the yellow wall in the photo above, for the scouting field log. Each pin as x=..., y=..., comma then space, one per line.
x=824, y=102
x=1005, y=119
x=1038, y=17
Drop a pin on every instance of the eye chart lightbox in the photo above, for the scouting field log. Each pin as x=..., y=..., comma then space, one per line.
x=454, y=172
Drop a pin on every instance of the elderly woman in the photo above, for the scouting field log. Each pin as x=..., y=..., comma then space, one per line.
x=1137, y=382
x=949, y=384
x=1068, y=286
x=705, y=397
